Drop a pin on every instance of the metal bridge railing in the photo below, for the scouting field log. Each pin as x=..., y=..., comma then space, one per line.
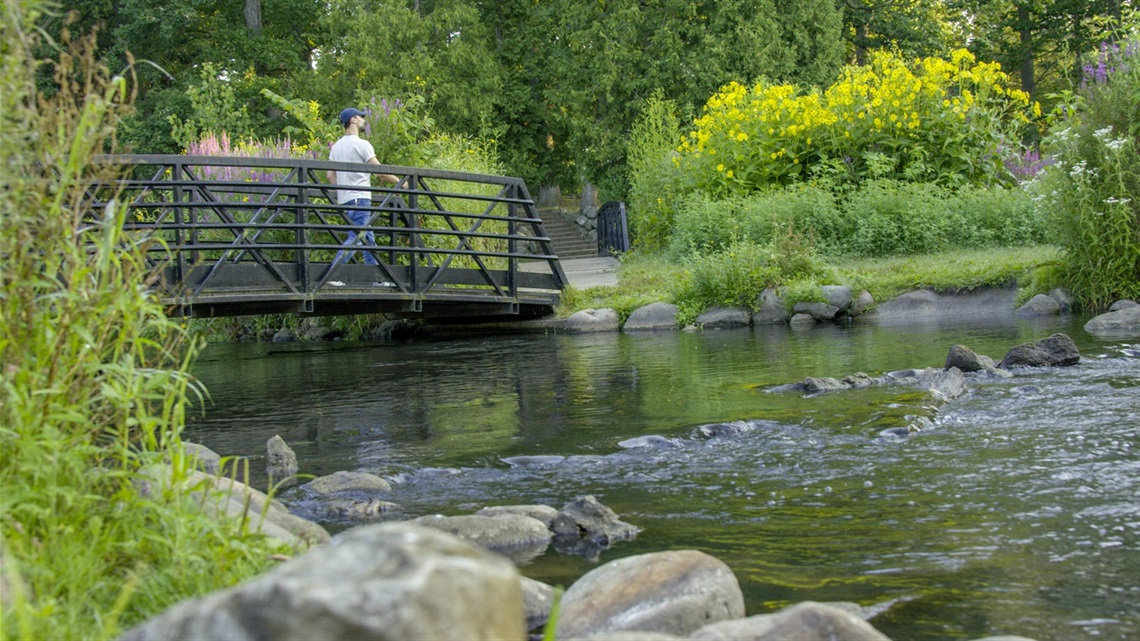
x=229, y=235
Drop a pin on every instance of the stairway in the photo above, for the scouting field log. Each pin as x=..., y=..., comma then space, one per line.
x=568, y=239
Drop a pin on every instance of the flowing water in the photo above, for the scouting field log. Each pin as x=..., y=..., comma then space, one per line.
x=1013, y=510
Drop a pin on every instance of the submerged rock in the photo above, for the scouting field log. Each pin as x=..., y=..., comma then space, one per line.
x=533, y=461
x=585, y=527
x=722, y=430
x=652, y=440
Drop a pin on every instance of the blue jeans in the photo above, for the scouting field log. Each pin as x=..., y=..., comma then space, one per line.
x=357, y=217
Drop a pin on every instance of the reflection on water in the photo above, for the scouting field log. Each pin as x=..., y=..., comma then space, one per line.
x=1015, y=509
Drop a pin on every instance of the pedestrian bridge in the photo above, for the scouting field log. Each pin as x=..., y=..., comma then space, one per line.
x=228, y=236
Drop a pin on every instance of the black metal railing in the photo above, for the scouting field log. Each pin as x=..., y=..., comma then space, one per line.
x=229, y=236
x=613, y=231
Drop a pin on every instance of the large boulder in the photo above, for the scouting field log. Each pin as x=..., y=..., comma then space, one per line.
x=517, y=537
x=204, y=459
x=674, y=592
x=384, y=582
x=966, y=360
x=807, y=621
x=1040, y=305
x=724, y=318
x=838, y=296
x=1057, y=349
x=1125, y=321
x=771, y=307
x=818, y=311
x=652, y=316
x=593, y=320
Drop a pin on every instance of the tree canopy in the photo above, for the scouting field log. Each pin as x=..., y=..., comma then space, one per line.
x=558, y=84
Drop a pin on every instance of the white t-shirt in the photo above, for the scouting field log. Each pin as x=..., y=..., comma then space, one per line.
x=352, y=148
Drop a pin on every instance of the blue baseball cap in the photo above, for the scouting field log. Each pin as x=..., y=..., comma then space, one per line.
x=347, y=115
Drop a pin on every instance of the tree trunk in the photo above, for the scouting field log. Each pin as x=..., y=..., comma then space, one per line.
x=253, y=16
x=1025, y=33
x=861, y=44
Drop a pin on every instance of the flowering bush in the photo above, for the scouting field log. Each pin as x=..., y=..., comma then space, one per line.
x=1091, y=192
x=933, y=121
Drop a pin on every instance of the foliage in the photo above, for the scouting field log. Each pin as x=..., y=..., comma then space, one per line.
x=95, y=377
x=1091, y=193
x=652, y=175
x=214, y=109
x=881, y=218
x=735, y=275
x=933, y=121
x=606, y=58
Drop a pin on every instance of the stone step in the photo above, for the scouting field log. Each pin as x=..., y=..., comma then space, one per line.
x=569, y=241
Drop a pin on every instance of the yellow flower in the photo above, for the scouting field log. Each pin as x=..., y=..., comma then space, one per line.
x=720, y=167
x=729, y=174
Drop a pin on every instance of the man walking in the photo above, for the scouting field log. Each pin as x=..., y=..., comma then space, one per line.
x=352, y=148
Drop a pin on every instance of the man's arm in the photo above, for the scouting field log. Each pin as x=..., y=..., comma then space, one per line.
x=385, y=177
x=331, y=177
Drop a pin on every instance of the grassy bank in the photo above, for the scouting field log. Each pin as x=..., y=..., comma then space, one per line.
x=645, y=278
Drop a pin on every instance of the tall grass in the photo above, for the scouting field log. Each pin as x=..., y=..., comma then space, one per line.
x=95, y=376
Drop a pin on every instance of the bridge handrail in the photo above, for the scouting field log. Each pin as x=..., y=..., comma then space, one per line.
x=285, y=224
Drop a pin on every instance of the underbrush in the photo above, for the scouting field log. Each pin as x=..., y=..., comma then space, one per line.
x=880, y=218
x=95, y=377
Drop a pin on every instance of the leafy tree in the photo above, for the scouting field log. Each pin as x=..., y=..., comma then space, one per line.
x=395, y=51
x=916, y=28
x=608, y=58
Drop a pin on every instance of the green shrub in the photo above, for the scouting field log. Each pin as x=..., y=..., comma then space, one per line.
x=654, y=185
x=931, y=121
x=706, y=224
x=735, y=276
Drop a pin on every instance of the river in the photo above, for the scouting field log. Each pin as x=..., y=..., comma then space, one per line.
x=1013, y=510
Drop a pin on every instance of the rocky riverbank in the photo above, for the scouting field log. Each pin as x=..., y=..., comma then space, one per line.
x=456, y=576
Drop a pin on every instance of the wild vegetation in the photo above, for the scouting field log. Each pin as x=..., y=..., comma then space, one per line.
x=95, y=379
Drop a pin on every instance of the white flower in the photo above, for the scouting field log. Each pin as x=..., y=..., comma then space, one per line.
x=1113, y=200
x=1103, y=134
x=1115, y=145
